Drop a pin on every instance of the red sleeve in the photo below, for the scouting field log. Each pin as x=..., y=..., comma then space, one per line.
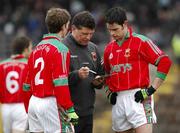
x=27, y=88
x=106, y=61
x=164, y=65
x=1, y=84
x=60, y=74
x=151, y=53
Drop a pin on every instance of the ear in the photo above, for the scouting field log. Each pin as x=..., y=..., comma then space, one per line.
x=25, y=50
x=73, y=27
x=125, y=23
x=67, y=24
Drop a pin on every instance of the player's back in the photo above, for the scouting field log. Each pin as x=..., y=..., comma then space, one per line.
x=12, y=74
x=42, y=65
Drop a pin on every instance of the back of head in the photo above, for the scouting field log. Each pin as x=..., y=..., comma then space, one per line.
x=19, y=44
x=84, y=19
x=115, y=15
x=56, y=18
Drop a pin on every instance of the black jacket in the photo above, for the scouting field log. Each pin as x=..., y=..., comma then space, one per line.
x=82, y=92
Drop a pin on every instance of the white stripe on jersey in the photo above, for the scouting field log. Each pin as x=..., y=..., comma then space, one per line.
x=64, y=57
x=154, y=47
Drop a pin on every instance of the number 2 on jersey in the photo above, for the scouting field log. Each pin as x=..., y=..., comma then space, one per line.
x=37, y=79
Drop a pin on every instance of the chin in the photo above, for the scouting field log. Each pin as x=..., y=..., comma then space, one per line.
x=84, y=43
x=119, y=39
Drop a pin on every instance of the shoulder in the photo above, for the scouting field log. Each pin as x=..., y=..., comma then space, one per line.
x=93, y=47
x=53, y=44
x=5, y=61
x=61, y=47
x=140, y=37
x=23, y=60
x=91, y=44
x=110, y=45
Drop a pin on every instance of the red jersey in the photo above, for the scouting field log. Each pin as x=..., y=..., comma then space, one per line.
x=48, y=68
x=12, y=74
x=128, y=62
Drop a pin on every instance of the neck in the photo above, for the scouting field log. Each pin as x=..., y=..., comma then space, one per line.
x=61, y=34
x=125, y=33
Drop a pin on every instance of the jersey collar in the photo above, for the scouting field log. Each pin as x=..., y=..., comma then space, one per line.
x=17, y=56
x=128, y=34
x=52, y=36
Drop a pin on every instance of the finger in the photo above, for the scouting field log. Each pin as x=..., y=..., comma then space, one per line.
x=86, y=68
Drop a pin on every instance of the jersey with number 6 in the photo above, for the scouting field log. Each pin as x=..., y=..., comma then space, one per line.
x=48, y=67
x=12, y=74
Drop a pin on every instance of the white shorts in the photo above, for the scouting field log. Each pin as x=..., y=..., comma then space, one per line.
x=128, y=114
x=14, y=117
x=43, y=116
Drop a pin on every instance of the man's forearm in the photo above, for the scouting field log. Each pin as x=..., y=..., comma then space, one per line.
x=157, y=83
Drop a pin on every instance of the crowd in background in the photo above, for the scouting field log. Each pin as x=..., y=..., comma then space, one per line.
x=158, y=19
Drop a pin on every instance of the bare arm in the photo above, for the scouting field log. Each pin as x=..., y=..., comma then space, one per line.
x=157, y=83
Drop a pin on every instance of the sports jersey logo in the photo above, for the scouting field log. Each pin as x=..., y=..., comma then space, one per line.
x=121, y=68
x=127, y=52
x=110, y=56
x=74, y=56
x=94, y=56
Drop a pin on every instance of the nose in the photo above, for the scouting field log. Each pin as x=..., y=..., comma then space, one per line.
x=112, y=33
x=88, y=37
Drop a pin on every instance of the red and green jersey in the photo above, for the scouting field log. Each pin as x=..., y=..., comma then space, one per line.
x=12, y=74
x=48, y=68
x=128, y=62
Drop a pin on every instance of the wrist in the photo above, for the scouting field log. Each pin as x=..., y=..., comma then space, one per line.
x=151, y=90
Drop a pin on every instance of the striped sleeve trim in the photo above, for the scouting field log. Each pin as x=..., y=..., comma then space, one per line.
x=154, y=47
x=26, y=87
x=161, y=75
x=60, y=81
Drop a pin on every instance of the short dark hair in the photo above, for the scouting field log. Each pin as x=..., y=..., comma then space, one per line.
x=56, y=18
x=84, y=19
x=19, y=44
x=115, y=15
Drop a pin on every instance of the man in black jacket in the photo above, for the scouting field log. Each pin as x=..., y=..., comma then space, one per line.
x=85, y=65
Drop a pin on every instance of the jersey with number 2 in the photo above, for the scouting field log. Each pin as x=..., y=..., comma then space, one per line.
x=48, y=67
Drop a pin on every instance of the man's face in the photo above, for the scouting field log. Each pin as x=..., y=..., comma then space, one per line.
x=82, y=35
x=116, y=31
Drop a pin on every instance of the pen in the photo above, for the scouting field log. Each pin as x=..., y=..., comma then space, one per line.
x=92, y=71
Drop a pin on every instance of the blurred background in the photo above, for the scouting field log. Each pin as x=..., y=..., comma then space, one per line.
x=157, y=19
